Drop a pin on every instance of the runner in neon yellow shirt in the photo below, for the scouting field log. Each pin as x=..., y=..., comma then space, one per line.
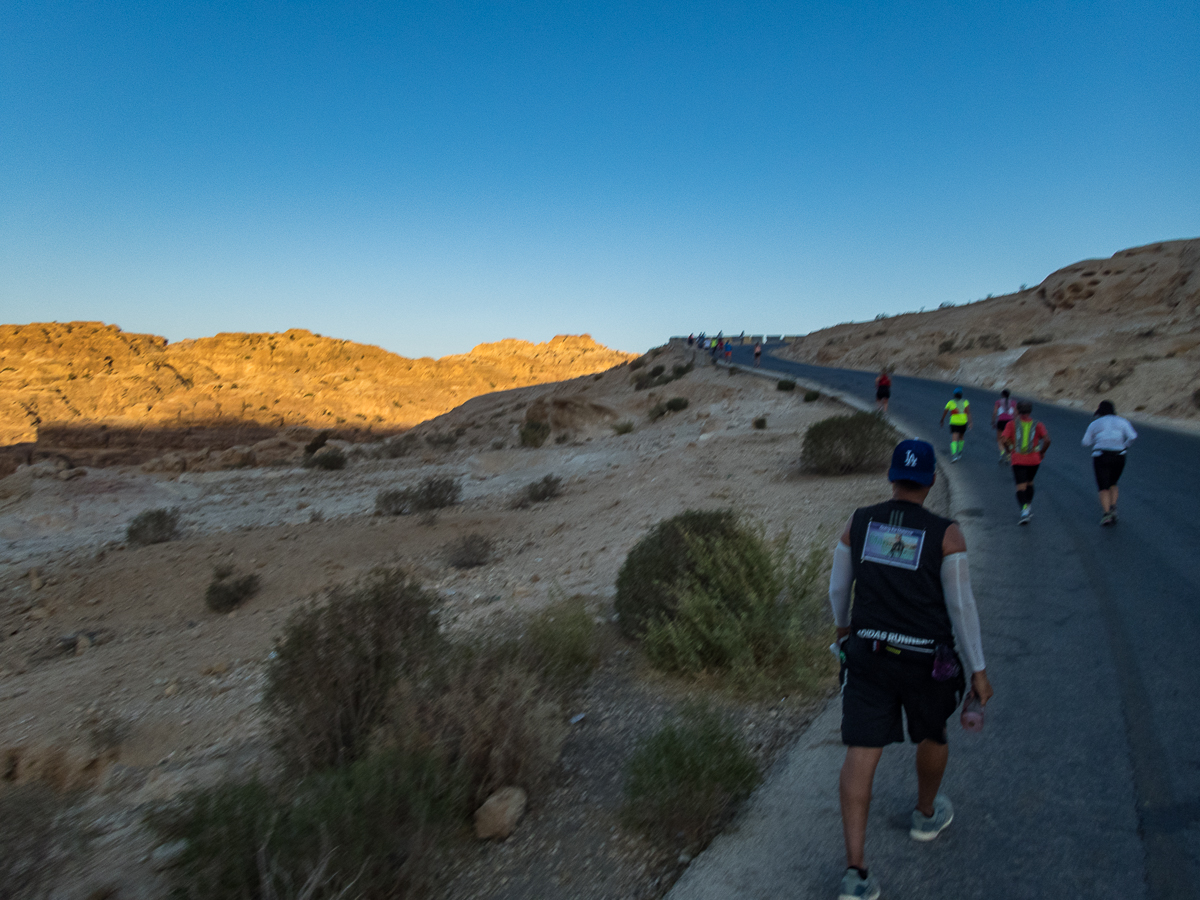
x=959, y=410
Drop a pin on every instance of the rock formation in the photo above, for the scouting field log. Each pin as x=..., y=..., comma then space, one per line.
x=1126, y=328
x=78, y=380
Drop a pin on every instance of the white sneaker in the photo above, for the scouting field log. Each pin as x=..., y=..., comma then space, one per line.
x=926, y=829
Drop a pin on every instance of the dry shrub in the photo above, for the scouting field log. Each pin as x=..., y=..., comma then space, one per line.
x=760, y=423
x=843, y=445
x=327, y=685
x=227, y=593
x=810, y=396
x=154, y=526
x=546, y=489
x=561, y=643
x=398, y=446
x=656, y=412
x=677, y=404
x=626, y=426
x=469, y=551
x=785, y=384
x=534, y=434
x=683, y=782
x=432, y=493
x=442, y=440
x=327, y=458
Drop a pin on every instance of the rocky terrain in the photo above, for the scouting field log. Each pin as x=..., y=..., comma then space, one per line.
x=1126, y=328
x=86, y=385
x=121, y=689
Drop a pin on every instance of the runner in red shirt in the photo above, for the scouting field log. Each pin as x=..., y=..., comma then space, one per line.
x=883, y=391
x=1027, y=442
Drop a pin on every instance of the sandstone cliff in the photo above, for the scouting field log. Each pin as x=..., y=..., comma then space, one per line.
x=1126, y=328
x=83, y=375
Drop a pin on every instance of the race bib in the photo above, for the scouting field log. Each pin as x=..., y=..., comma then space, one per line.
x=891, y=545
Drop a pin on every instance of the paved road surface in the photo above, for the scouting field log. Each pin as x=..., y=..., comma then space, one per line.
x=1086, y=780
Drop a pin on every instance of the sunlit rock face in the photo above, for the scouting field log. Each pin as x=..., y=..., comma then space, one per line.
x=82, y=375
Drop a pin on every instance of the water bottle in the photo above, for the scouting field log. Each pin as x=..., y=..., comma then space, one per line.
x=972, y=713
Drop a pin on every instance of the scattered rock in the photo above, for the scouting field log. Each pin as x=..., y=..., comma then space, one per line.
x=82, y=644
x=220, y=667
x=41, y=612
x=68, y=474
x=500, y=813
x=35, y=580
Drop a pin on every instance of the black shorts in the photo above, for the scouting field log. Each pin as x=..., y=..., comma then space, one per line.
x=877, y=686
x=1108, y=467
x=1001, y=425
x=959, y=430
x=882, y=393
x=1023, y=474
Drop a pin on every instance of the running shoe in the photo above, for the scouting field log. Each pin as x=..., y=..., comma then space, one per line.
x=1026, y=515
x=1108, y=519
x=855, y=887
x=926, y=829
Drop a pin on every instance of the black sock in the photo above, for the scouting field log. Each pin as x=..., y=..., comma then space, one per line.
x=862, y=873
x=1021, y=498
x=1029, y=494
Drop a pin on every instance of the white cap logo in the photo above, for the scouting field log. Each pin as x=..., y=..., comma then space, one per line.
x=910, y=458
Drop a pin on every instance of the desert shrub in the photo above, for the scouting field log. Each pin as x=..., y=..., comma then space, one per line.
x=34, y=839
x=785, y=384
x=656, y=371
x=656, y=412
x=678, y=371
x=760, y=422
x=546, y=489
x=677, y=404
x=659, y=560
x=534, y=434
x=562, y=438
x=327, y=458
x=636, y=364
x=683, y=781
x=432, y=493
x=946, y=346
x=561, y=643
x=398, y=446
x=842, y=445
x=154, y=526
x=316, y=443
x=227, y=593
x=810, y=396
x=1036, y=339
x=328, y=683
x=442, y=439
x=366, y=831
x=623, y=427
x=469, y=551
x=746, y=612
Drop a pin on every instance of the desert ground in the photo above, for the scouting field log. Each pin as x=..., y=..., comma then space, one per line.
x=121, y=689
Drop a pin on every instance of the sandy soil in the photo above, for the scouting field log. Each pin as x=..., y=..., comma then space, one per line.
x=115, y=678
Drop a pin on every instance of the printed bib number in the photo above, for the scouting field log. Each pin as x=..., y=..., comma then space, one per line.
x=891, y=545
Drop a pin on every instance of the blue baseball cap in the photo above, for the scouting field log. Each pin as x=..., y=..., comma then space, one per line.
x=913, y=460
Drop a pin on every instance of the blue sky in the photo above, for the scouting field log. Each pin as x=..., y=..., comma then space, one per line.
x=428, y=176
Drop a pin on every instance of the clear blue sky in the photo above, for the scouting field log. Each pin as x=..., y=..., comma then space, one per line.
x=427, y=176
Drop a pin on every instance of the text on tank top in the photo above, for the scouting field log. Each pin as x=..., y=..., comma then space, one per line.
x=896, y=553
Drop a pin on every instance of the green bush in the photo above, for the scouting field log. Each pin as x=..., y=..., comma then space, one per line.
x=469, y=551
x=810, y=396
x=660, y=560
x=366, y=831
x=656, y=371
x=227, y=593
x=329, y=680
x=328, y=458
x=432, y=493
x=677, y=404
x=561, y=642
x=623, y=427
x=678, y=371
x=843, y=445
x=534, y=434
x=682, y=782
x=785, y=384
x=760, y=423
x=746, y=613
x=154, y=526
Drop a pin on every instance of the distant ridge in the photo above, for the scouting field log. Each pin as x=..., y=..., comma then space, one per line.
x=78, y=374
x=1125, y=328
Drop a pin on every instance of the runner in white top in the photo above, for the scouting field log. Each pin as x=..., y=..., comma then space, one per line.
x=1108, y=436
x=1004, y=411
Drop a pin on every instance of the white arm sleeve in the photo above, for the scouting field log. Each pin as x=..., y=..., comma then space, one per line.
x=960, y=603
x=840, y=580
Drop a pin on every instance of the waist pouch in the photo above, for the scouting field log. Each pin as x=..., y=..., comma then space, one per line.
x=942, y=661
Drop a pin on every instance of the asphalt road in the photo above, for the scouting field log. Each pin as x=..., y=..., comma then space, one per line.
x=1086, y=780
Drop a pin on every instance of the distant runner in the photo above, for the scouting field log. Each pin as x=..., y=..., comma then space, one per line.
x=905, y=640
x=1108, y=436
x=757, y=353
x=960, y=420
x=1027, y=442
x=1003, y=412
x=883, y=390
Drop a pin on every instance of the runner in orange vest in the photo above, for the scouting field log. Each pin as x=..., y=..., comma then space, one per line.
x=1027, y=442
